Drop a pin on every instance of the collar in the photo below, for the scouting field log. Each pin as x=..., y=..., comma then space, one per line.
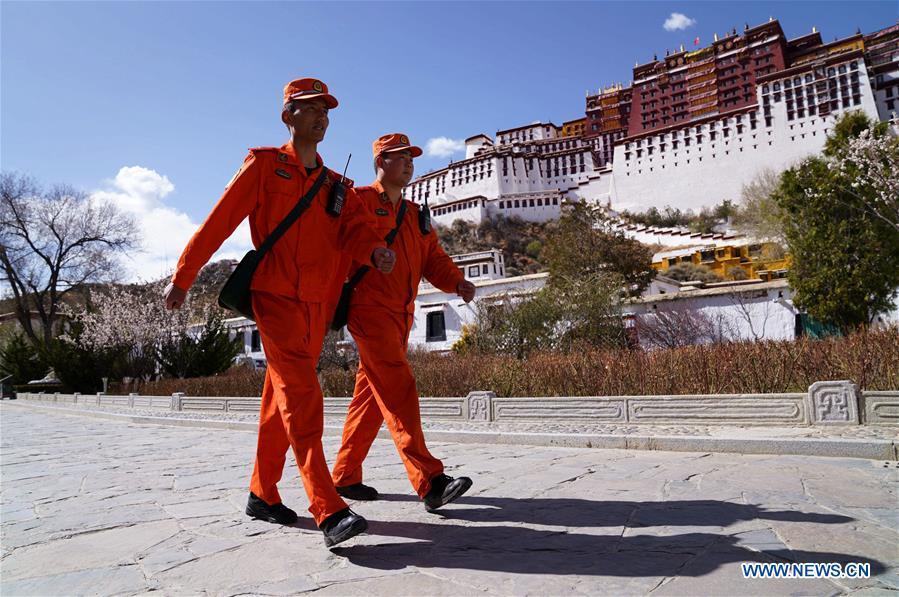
x=287, y=154
x=382, y=194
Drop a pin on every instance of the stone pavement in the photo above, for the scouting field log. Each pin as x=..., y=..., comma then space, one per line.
x=107, y=507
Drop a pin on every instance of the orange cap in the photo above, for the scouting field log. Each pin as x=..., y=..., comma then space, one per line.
x=394, y=142
x=304, y=89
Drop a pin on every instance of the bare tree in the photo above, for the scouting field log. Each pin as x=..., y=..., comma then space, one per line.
x=675, y=327
x=53, y=242
x=759, y=215
x=754, y=313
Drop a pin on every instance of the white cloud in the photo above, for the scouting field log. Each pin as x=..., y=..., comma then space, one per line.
x=164, y=230
x=678, y=22
x=444, y=147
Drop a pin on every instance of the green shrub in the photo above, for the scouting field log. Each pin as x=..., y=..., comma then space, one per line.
x=20, y=359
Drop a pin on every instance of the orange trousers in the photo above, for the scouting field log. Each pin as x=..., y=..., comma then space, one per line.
x=292, y=410
x=385, y=391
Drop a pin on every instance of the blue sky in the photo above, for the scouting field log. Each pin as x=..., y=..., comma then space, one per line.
x=175, y=92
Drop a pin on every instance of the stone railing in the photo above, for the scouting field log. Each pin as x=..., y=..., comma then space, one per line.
x=825, y=403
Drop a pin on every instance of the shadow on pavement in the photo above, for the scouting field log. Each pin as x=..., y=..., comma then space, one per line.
x=515, y=549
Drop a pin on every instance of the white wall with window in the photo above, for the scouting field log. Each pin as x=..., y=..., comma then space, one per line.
x=727, y=312
x=537, y=131
x=886, y=94
x=530, y=207
x=472, y=209
x=477, y=144
x=245, y=329
x=478, y=266
x=439, y=316
x=528, y=160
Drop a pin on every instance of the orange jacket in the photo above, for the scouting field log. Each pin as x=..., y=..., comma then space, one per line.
x=305, y=260
x=417, y=255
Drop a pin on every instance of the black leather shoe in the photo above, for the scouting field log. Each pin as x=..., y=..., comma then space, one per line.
x=279, y=513
x=342, y=525
x=445, y=489
x=358, y=491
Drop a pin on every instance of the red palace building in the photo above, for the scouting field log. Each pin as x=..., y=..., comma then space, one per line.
x=690, y=86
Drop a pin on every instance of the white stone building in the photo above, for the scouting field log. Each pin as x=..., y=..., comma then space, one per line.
x=703, y=163
x=477, y=267
x=439, y=316
x=755, y=101
x=882, y=57
x=529, y=172
x=748, y=310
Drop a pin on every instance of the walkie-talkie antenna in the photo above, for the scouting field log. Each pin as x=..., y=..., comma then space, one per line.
x=338, y=193
x=343, y=176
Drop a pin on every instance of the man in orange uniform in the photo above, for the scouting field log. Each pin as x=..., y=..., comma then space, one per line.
x=380, y=317
x=290, y=291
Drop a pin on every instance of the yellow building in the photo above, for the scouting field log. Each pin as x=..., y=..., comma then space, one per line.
x=757, y=261
x=574, y=128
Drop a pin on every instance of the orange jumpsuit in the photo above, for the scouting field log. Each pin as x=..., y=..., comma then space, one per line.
x=291, y=289
x=380, y=317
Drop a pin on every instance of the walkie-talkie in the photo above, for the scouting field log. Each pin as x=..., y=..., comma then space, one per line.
x=424, y=218
x=338, y=192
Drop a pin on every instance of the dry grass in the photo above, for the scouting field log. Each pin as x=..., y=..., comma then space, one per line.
x=870, y=359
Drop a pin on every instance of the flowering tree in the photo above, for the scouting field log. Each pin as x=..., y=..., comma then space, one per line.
x=840, y=213
x=869, y=168
x=124, y=316
x=131, y=324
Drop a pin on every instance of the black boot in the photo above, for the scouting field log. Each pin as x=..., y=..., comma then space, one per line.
x=359, y=492
x=279, y=513
x=445, y=489
x=342, y=525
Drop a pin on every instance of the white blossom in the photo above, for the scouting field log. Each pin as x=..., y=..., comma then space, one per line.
x=871, y=162
x=132, y=317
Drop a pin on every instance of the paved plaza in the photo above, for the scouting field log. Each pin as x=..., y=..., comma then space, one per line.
x=94, y=506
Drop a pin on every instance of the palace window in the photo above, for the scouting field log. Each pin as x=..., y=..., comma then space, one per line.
x=436, y=327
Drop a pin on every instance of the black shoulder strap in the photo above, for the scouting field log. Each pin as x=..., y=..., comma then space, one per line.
x=391, y=236
x=301, y=206
x=400, y=213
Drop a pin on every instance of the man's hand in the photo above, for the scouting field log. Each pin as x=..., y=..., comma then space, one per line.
x=465, y=289
x=383, y=259
x=174, y=296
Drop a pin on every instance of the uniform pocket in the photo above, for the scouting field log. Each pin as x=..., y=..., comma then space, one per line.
x=278, y=185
